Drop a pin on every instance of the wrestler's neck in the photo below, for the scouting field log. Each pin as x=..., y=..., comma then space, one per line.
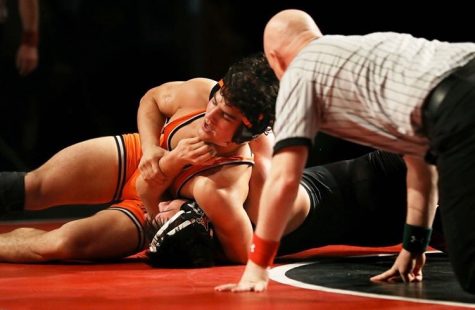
x=230, y=149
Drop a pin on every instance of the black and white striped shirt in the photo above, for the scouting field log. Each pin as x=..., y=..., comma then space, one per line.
x=367, y=89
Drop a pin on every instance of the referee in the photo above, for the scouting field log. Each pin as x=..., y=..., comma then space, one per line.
x=390, y=91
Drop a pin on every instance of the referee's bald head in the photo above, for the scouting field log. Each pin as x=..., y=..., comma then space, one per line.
x=285, y=35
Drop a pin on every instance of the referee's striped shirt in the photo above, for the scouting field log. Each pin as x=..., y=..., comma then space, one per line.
x=367, y=89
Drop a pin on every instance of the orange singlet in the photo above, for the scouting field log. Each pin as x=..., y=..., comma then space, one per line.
x=190, y=171
x=129, y=149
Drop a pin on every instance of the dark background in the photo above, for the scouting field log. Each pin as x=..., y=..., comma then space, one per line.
x=98, y=57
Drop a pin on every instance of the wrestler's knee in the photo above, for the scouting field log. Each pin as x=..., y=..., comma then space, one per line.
x=62, y=244
x=72, y=245
x=49, y=247
x=35, y=197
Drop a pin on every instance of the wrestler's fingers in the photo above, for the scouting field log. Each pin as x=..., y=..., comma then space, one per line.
x=406, y=277
x=194, y=143
x=146, y=173
x=249, y=287
x=202, y=154
x=225, y=287
x=150, y=172
x=417, y=274
x=192, y=140
x=205, y=148
x=417, y=271
x=418, y=277
x=242, y=287
x=259, y=287
x=385, y=276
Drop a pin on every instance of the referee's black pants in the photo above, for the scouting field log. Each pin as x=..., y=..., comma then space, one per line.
x=449, y=119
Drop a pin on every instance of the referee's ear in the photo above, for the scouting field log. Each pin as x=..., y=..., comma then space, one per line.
x=277, y=64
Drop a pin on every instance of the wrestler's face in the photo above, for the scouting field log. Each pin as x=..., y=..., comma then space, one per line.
x=220, y=121
x=167, y=209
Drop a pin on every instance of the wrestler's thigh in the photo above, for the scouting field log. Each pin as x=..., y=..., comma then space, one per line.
x=85, y=172
x=109, y=234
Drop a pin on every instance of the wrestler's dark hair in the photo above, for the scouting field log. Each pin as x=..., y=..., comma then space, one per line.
x=251, y=86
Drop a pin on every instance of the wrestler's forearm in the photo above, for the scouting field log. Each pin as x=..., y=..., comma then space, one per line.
x=280, y=191
x=274, y=210
x=232, y=226
x=151, y=191
x=149, y=196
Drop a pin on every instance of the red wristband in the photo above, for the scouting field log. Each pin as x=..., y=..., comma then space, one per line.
x=29, y=38
x=262, y=252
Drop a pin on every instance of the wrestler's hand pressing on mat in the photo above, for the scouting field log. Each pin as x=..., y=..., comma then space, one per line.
x=407, y=268
x=254, y=279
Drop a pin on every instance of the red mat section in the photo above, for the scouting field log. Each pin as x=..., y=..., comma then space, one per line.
x=132, y=284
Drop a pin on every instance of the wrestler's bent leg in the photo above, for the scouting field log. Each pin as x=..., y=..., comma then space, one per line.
x=109, y=234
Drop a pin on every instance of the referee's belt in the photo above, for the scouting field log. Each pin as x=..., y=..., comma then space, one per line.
x=439, y=93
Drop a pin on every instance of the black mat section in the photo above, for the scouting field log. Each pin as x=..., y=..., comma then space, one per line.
x=353, y=273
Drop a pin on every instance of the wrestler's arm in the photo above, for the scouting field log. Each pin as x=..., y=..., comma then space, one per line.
x=261, y=148
x=189, y=151
x=221, y=196
x=422, y=199
x=262, y=155
x=156, y=105
x=278, y=197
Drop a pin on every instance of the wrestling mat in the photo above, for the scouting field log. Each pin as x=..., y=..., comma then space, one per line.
x=350, y=275
x=330, y=277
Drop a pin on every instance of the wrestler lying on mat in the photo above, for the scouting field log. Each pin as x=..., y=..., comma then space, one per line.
x=337, y=203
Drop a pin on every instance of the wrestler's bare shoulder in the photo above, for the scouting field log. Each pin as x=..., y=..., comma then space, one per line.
x=192, y=95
